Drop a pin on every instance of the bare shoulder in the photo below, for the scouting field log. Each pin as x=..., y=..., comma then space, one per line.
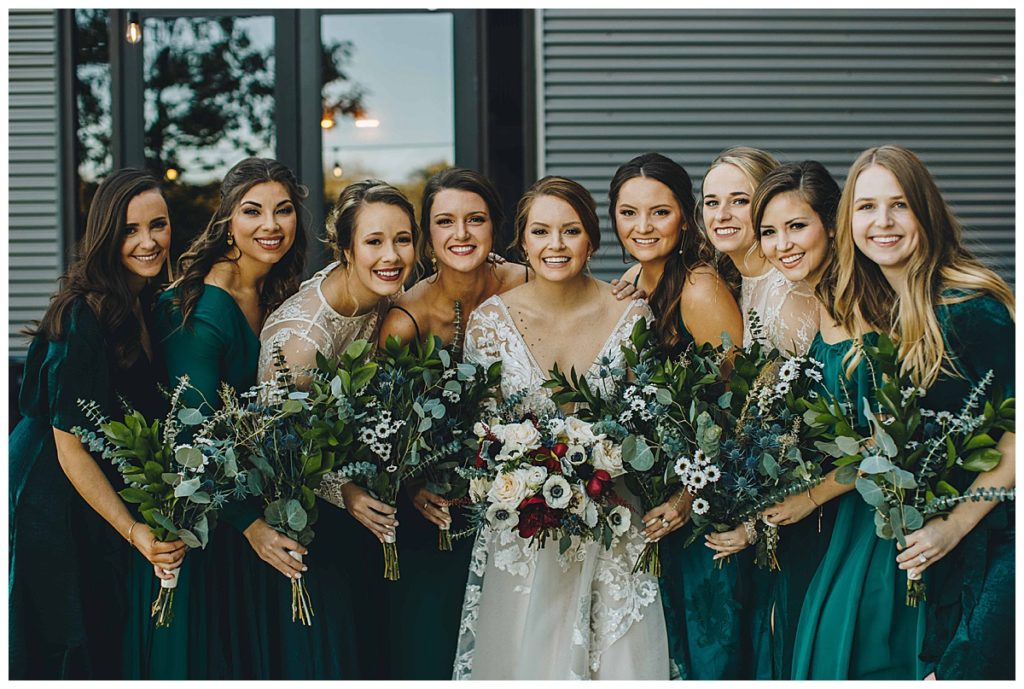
x=704, y=284
x=510, y=275
x=398, y=323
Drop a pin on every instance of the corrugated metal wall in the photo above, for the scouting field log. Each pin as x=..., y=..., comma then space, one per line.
x=34, y=240
x=821, y=84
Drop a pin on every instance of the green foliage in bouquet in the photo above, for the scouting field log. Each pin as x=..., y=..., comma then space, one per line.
x=413, y=392
x=905, y=466
x=177, y=488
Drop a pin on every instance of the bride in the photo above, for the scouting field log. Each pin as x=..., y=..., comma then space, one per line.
x=529, y=613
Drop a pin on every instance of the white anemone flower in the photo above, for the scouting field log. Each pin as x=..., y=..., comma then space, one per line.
x=557, y=493
x=618, y=519
x=503, y=514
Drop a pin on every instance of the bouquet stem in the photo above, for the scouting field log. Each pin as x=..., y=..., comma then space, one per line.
x=649, y=560
x=302, y=606
x=771, y=542
x=390, y=560
x=444, y=539
x=163, y=607
x=915, y=592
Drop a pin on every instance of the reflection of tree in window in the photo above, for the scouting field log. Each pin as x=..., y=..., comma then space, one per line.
x=92, y=102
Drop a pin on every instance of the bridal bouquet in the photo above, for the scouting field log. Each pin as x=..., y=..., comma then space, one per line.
x=904, y=466
x=410, y=419
x=549, y=477
x=178, y=487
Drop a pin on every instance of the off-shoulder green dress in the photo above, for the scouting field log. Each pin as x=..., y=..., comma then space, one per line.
x=970, y=605
x=67, y=565
x=855, y=623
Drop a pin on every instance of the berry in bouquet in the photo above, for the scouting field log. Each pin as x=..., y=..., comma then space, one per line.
x=546, y=478
x=401, y=420
x=904, y=466
x=178, y=488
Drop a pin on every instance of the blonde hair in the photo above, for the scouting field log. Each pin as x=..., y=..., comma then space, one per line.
x=940, y=263
x=755, y=164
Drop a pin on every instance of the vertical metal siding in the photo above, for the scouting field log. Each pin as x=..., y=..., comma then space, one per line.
x=34, y=251
x=821, y=84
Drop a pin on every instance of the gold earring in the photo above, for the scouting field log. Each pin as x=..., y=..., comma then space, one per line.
x=231, y=239
x=433, y=261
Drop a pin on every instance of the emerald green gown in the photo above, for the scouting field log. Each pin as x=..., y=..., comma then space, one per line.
x=970, y=605
x=67, y=565
x=855, y=623
x=232, y=611
x=707, y=607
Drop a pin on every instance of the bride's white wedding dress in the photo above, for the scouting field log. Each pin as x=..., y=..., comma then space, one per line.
x=530, y=613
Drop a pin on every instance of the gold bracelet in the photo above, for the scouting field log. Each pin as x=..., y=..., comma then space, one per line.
x=678, y=498
x=130, y=528
x=811, y=498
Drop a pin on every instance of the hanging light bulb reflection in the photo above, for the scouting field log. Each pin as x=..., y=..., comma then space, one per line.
x=133, y=31
x=337, y=170
x=327, y=120
x=171, y=174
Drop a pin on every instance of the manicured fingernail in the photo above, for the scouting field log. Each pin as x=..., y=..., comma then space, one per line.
x=652, y=521
x=305, y=568
x=298, y=576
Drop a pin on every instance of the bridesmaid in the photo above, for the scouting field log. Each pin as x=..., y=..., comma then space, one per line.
x=653, y=211
x=372, y=232
x=68, y=560
x=854, y=623
x=229, y=608
x=461, y=212
x=900, y=243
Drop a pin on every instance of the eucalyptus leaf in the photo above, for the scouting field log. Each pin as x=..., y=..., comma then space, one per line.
x=870, y=491
x=200, y=498
x=292, y=407
x=425, y=424
x=636, y=453
x=189, y=457
x=296, y=515
x=725, y=400
x=163, y=520
x=847, y=445
x=445, y=357
x=190, y=417
x=186, y=488
x=663, y=397
x=189, y=538
x=202, y=530
x=876, y=464
x=830, y=449
x=885, y=442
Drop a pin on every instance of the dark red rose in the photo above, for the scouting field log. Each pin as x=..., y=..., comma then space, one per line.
x=560, y=449
x=480, y=463
x=532, y=516
x=598, y=483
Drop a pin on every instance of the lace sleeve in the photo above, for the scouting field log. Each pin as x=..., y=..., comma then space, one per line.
x=797, y=321
x=483, y=345
x=298, y=349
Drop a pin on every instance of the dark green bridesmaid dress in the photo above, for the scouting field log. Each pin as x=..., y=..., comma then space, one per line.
x=232, y=611
x=68, y=567
x=970, y=606
x=707, y=607
x=855, y=623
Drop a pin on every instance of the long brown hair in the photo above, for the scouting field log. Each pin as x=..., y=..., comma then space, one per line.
x=940, y=263
x=98, y=275
x=211, y=246
x=691, y=250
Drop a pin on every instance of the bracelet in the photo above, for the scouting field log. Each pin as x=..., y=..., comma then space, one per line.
x=811, y=498
x=678, y=498
x=130, y=529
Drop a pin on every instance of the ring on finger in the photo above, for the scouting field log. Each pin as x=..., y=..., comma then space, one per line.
x=922, y=558
x=664, y=523
x=766, y=522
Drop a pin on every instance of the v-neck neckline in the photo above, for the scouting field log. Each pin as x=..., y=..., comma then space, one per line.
x=248, y=326
x=533, y=359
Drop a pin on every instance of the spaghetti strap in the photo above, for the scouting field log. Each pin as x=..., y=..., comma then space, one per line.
x=636, y=280
x=419, y=338
x=526, y=269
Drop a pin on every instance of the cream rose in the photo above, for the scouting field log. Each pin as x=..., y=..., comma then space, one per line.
x=608, y=456
x=523, y=436
x=508, y=488
x=478, y=488
x=580, y=432
x=535, y=477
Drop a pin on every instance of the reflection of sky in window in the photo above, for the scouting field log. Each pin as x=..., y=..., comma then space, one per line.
x=209, y=164
x=405, y=63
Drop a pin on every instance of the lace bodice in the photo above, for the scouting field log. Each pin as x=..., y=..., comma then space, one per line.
x=530, y=612
x=305, y=323
x=491, y=335
x=788, y=311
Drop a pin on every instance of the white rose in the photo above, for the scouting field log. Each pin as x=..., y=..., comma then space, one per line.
x=557, y=493
x=520, y=435
x=503, y=515
x=508, y=488
x=608, y=456
x=479, y=430
x=535, y=476
x=556, y=426
x=580, y=432
x=590, y=514
x=618, y=519
x=478, y=488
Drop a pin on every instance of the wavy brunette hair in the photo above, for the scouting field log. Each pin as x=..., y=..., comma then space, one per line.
x=340, y=227
x=940, y=263
x=211, y=247
x=98, y=275
x=690, y=252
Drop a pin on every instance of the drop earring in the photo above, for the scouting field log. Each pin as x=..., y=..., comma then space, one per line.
x=231, y=239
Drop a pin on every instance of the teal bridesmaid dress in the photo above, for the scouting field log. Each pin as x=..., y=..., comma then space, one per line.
x=232, y=611
x=854, y=622
x=970, y=606
x=68, y=566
